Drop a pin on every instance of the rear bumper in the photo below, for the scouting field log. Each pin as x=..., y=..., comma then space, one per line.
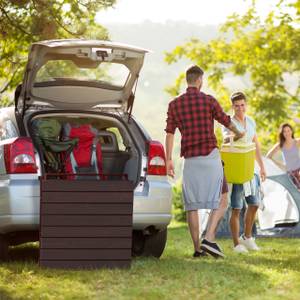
x=153, y=205
x=158, y=221
x=20, y=204
x=15, y=223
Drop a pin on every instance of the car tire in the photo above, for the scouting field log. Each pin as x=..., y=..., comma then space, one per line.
x=149, y=245
x=3, y=248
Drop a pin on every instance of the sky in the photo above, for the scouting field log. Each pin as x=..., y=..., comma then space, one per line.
x=197, y=11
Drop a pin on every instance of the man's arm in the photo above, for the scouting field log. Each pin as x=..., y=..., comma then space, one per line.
x=237, y=133
x=169, y=150
x=259, y=159
x=170, y=130
x=225, y=119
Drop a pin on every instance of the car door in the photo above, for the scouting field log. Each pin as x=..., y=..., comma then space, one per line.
x=80, y=74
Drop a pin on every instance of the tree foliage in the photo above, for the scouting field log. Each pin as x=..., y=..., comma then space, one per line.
x=23, y=22
x=177, y=203
x=265, y=53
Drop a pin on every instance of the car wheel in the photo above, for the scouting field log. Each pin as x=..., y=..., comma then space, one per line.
x=3, y=248
x=149, y=245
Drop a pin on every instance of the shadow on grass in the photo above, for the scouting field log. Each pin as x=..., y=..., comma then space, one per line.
x=277, y=253
x=278, y=264
x=208, y=277
x=24, y=253
x=5, y=296
x=235, y=277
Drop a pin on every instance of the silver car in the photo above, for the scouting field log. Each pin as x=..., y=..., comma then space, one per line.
x=85, y=81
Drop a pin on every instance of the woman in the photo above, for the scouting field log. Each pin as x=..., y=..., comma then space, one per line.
x=289, y=147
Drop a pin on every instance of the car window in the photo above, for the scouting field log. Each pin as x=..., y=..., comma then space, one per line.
x=119, y=137
x=8, y=130
x=66, y=71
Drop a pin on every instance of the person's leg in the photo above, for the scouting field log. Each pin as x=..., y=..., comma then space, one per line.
x=246, y=239
x=253, y=203
x=249, y=220
x=215, y=217
x=236, y=202
x=193, y=222
x=208, y=244
x=235, y=225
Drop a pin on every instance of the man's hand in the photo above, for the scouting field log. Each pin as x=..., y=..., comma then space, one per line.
x=239, y=135
x=170, y=168
x=263, y=174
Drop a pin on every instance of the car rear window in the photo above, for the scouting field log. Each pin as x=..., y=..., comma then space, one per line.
x=67, y=72
x=120, y=141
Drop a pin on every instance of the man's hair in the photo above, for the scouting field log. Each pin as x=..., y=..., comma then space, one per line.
x=237, y=96
x=193, y=73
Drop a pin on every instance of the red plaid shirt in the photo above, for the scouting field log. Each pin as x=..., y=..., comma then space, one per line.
x=194, y=113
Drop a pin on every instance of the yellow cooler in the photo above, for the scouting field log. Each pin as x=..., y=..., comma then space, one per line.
x=239, y=161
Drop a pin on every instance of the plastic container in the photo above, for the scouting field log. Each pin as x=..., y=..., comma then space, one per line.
x=239, y=159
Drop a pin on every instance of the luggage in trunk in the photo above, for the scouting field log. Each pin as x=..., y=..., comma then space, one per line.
x=85, y=223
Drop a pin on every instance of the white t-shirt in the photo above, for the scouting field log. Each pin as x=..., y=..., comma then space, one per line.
x=250, y=129
x=250, y=186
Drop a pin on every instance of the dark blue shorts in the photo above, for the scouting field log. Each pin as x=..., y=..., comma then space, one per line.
x=237, y=197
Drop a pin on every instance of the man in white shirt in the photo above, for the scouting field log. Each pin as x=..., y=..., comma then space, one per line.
x=244, y=191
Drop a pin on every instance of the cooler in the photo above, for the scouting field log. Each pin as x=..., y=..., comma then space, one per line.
x=239, y=161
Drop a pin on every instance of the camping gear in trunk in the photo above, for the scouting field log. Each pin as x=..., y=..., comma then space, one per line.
x=86, y=157
x=53, y=151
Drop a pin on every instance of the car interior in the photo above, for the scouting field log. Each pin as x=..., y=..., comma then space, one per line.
x=118, y=151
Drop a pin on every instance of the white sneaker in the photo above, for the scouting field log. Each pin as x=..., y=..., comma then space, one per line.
x=240, y=249
x=248, y=243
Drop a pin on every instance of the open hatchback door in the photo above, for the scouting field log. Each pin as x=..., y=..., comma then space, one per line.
x=80, y=74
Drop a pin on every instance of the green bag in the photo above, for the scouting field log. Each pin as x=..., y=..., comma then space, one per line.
x=54, y=151
x=47, y=128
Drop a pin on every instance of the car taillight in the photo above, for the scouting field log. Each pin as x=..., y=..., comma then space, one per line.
x=19, y=156
x=156, y=159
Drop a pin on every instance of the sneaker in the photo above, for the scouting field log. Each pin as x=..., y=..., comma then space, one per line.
x=249, y=243
x=200, y=254
x=212, y=248
x=240, y=249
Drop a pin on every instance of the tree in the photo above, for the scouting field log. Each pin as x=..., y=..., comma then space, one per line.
x=23, y=22
x=263, y=52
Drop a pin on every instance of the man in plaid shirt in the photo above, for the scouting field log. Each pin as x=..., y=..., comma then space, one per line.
x=193, y=113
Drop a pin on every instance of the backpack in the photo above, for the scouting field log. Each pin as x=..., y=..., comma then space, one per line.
x=53, y=151
x=86, y=156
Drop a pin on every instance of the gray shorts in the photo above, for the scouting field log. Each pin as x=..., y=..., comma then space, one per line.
x=202, y=181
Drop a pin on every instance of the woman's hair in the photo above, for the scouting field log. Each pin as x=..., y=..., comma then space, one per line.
x=281, y=136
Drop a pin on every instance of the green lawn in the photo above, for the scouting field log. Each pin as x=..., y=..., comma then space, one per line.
x=273, y=273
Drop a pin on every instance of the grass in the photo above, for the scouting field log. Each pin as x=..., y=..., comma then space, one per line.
x=273, y=273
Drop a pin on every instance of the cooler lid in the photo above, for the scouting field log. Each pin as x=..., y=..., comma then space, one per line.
x=238, y=147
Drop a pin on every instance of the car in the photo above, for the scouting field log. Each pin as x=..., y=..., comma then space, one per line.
x=81, y=81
